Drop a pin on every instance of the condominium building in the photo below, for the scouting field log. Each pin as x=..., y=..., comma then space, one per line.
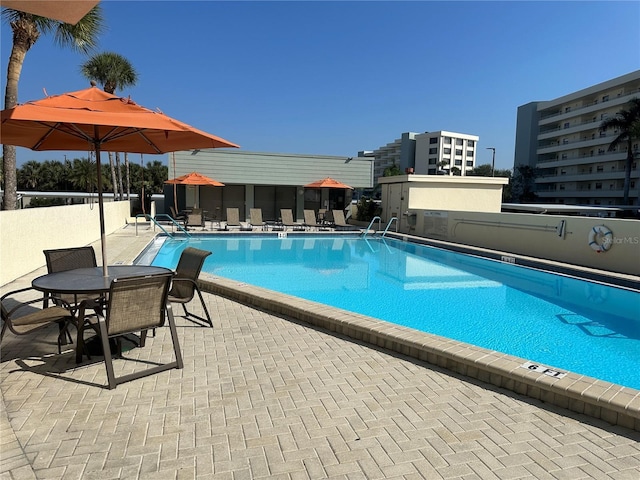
x=445, y=153
x=562, y=140
x=429, y=153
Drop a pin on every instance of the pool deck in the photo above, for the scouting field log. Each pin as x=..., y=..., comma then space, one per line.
x=266, y=394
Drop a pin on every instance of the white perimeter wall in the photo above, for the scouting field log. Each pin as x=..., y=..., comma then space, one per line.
x=25, y=233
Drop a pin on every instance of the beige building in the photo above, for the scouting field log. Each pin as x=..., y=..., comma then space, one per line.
x=561, y=138
x=404, y=195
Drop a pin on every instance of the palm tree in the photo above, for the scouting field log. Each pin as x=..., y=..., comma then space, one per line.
x=83, y=175
x=627, y=123
x=29, y=175
x=27, y=29
x=112, y=71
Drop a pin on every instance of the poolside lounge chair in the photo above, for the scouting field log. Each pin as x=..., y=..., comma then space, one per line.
x=287, y=220
x=195, y=218
x=185, y=286
x=339, y=223
x=233, y=220
x=22, y=318
x=136, y=304
x=255, y=214
x=178, y=217
x=310, y=221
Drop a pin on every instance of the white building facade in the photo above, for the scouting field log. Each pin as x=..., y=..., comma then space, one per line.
x=562, y=140
x=429, y=153
x=445, y=153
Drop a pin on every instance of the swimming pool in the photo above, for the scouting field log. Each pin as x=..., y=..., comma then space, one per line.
x=570, y=324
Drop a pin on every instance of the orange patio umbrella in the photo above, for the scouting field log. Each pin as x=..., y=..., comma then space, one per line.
x=92, y=119
x=328, y=183
x=68, y=11
x=194, y=178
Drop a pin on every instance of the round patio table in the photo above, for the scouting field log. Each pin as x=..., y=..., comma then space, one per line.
x=90, y=280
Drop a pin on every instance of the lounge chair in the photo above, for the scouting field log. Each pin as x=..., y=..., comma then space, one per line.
x=136, y=304
x=195, y=218
x=233, y=220
x=339, y=223
x=287, y=220
x=310, y=221
x=178, y=217
x=22, y=318
x=185, y=286
x=255, y=214
x=64, y=259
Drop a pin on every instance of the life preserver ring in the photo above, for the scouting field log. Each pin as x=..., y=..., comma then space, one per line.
x=600, y=239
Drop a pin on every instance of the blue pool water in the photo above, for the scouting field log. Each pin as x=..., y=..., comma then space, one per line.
x=561, y=322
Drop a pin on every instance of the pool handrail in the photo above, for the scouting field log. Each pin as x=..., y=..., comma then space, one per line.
x=393, y=219
x=163, y=216
x=364, y=234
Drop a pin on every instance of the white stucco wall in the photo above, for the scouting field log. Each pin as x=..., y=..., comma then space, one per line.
x=25, y=233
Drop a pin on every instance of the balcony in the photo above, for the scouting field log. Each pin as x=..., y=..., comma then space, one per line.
x=559, y=115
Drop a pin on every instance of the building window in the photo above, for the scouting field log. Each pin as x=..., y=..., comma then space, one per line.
x=469, y=153
x=563, y=172
x=605, y=98
x=599, y=168
x=433, y=151
x=471, y=143
x=447, y=140
x=433, y=140
x=447, y=150
x=458, y=151
x=561, y=187
x=598, y=185
x=469, y=163
x=432, y=161
x=432, y=171
x=567, y=125
x=564, y=156
x=458, y=141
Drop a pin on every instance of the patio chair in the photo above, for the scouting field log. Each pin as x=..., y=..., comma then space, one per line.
x=233, y=220
x=287, y=220
x=195, y=218
x=63, y=259
x=310, y=221
x=185, y=282
x=255, y=214
x=178, y=217
x=136, y=304
x=21, y=318
x=339, y=223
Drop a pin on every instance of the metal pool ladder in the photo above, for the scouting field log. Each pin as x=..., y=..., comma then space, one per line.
x=162, y=215
x=373, y=220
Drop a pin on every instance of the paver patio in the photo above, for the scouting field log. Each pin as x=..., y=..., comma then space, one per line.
x=262, y=396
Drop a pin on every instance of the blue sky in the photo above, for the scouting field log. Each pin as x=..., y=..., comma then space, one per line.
x=333, y=77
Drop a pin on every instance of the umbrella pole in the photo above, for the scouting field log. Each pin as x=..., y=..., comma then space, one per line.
x=103, y=237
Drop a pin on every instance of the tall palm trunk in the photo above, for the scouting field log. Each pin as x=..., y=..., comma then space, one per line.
x=627, y=172
x=25, y=34
x=127, y=174
x=119, y=174
x=114, y=179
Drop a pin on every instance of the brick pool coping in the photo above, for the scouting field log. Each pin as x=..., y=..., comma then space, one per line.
x=612, y=403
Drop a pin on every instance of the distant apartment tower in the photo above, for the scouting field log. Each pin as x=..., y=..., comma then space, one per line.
x=445, y=153
x=562, y=140
x=430, y=153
